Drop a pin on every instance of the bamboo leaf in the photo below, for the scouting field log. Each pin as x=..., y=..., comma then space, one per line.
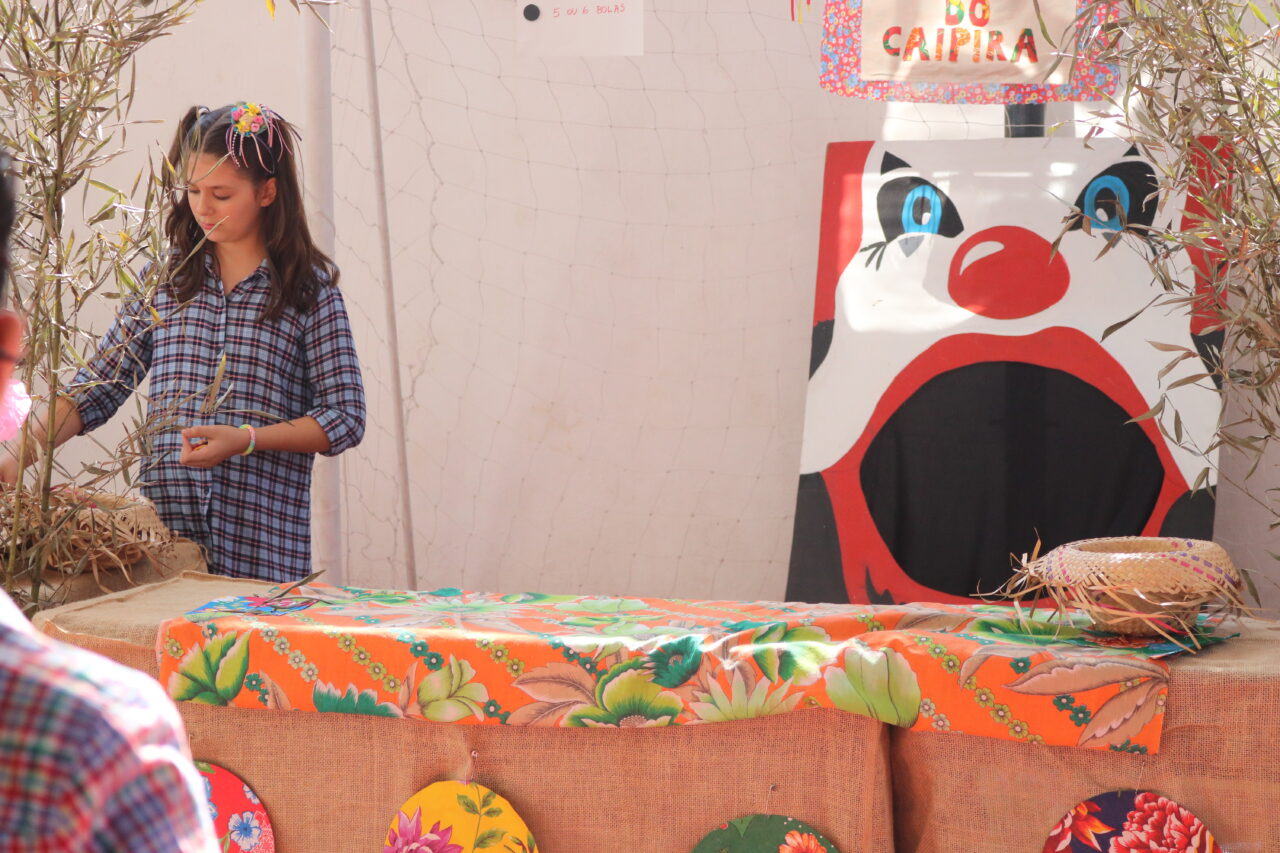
x=1164, y=371
x=1188, y=380
x=211, y=401
x=1153, y=412
x=1117, y=326
x=1169, y=347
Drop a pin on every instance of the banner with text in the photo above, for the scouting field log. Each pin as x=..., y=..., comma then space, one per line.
x=964, y=51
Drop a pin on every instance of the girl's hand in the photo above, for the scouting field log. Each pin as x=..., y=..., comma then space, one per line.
x=8, y=466
x=212, y=445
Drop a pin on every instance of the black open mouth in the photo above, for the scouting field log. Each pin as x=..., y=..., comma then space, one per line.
x=958, y=477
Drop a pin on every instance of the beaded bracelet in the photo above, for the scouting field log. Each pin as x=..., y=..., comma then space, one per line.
x=253, y=439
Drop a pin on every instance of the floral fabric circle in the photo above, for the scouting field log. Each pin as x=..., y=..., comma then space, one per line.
x=457, y=817
x=239, y=818
x=1130, y=822
x=765, y=833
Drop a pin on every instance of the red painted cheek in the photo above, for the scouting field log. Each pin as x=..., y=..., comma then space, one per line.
x=1016, y=273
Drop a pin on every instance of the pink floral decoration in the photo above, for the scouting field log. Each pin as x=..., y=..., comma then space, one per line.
x=1158, y=825
x=407, y=837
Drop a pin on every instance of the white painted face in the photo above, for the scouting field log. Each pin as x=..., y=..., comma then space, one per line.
x=980, y=280
x=958, y=239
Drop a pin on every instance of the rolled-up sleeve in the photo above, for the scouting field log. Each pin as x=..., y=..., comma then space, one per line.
x=121, y=361
x=334, y=373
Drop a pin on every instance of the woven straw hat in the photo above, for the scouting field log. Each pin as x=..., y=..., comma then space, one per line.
x=1138, y=585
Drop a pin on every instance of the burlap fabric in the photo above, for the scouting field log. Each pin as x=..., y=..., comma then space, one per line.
x=126, y=621
x=1219, y=757
x=333, y=782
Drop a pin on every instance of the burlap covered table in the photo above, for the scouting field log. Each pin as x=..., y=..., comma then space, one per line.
x=333, y=782
x=1219, y=758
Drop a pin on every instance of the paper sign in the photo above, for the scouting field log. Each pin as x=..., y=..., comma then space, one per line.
x=964, y=51
x=969, y=41
x=559, y=28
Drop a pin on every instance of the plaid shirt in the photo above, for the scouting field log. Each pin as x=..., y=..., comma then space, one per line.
x=251, y=513
x=92, y=754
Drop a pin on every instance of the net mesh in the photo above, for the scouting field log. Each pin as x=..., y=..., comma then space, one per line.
x=603, y=273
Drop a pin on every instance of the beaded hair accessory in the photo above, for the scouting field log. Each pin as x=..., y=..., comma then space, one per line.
x=251, y=122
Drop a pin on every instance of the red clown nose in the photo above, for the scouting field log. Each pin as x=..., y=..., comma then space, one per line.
x=1007, y=272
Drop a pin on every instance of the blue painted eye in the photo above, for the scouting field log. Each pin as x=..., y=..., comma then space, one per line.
x=913, y=206
x=922, y=210
x=1105, y=200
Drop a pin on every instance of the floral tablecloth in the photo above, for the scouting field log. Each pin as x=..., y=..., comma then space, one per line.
x=590, y=661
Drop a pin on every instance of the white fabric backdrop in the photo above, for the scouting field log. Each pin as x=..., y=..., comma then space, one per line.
x=604, y=275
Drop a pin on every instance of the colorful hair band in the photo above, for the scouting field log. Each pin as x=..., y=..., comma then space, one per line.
x=258, y=124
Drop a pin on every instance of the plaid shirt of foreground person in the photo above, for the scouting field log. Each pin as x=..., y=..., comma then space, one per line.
x=90, y=755
x=251, y=513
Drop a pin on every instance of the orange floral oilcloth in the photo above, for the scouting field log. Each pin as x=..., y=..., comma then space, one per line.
x=563, y=660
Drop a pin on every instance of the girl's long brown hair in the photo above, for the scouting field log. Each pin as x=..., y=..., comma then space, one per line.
x=298, y=268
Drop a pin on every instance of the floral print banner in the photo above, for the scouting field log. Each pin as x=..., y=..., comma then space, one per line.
x=765, y=833
x=458, y=817
x=1130, y=822
x=589, y=661
x=239, y=819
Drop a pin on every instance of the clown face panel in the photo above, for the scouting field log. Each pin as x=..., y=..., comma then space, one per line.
x=964, y=402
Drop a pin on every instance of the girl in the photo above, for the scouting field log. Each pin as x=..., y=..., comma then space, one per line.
x=247, y=342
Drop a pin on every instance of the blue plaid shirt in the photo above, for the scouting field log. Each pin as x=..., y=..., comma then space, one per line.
x=251, y=513
x=92, y=754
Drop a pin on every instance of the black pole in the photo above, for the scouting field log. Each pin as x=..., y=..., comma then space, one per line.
x=1023, y=120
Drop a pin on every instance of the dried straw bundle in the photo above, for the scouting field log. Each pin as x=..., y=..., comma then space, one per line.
x=85, y=531
x=1136, y=585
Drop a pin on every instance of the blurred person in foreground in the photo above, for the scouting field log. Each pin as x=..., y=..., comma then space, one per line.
x=93, y=755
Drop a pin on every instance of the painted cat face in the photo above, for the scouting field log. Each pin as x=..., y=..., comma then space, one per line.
x=967, y=358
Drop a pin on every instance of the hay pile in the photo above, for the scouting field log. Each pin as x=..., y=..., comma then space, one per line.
x=82, y=532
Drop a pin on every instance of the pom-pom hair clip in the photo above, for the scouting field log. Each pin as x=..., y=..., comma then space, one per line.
x=256, y=123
